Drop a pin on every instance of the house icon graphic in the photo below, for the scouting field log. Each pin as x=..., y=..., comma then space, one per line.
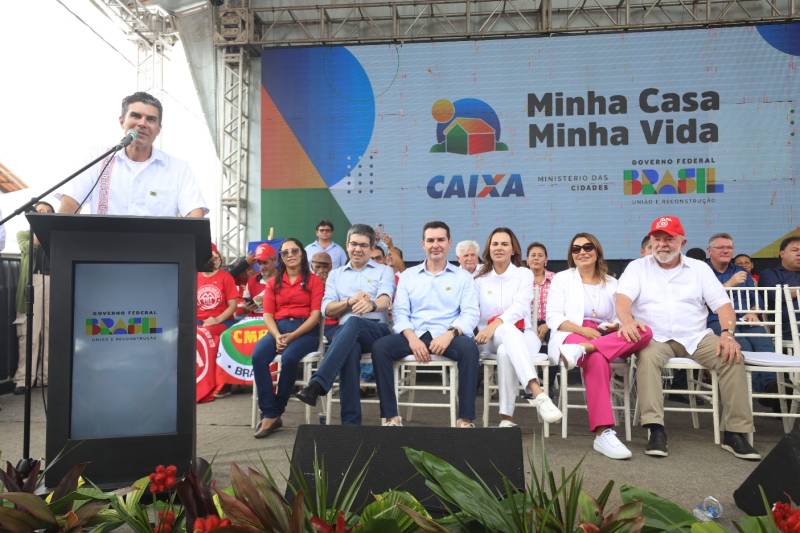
x=469, y=136
x=467, y=127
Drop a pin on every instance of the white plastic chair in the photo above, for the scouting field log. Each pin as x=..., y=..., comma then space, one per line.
x=785, y=367
x=308, y=363
x=409, y=384
x=619, y=367
x=490, y=386
x=333, y=396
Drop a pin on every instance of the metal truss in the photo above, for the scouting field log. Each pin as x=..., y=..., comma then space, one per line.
x=430, y=20
x=234, y=150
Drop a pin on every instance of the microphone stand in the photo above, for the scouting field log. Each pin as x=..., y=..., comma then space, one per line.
x=26, y=463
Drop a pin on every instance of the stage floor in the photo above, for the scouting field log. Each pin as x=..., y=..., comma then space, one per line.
x=694, y=469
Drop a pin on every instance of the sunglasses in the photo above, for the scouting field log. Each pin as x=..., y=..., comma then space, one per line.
x=290, y=251
x=588, y=247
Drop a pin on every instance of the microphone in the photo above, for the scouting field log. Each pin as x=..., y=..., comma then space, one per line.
x=130, y=136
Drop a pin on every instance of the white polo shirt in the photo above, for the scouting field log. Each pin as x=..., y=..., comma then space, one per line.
x=673, y=301
x=162, y=186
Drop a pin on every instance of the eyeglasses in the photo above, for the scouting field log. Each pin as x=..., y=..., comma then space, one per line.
x=362, y=245
x=588, y=247
x=324, y=230
x=290, y=251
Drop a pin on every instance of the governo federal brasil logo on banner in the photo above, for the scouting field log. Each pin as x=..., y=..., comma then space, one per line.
x=470, y=127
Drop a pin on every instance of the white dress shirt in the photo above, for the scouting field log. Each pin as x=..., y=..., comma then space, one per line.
x=161, y=186
x=507, y=295
x=338, y=255
x=433, y=302
x=673, y=301
x=566, y=302
x=343, y=282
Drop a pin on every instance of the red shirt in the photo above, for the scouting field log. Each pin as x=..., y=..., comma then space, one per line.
x=213, y=293
x=292, y=301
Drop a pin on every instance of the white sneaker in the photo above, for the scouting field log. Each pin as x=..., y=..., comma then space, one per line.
x=546, y=408
x=609, y=445
x=395, y=422
x=506, y=424
x=571, y=354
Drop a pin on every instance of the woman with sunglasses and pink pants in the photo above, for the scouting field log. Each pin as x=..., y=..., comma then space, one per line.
x=581, y=316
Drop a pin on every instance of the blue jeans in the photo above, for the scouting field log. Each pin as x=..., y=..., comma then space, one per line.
x=264, y=353
x=462, y=350
x=752, y=344
x=343, y=357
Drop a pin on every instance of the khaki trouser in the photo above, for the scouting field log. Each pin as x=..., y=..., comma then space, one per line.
x=737, y=415
x=41, y=326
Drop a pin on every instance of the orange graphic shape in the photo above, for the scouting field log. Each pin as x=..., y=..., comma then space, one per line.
x=773, y=249
x=284, y=162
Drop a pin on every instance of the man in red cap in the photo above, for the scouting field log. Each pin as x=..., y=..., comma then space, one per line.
x=672, y=293
x=265, y=259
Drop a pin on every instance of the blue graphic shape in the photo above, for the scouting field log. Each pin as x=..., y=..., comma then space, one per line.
x=783, y=37
x=471, y=108
x=326, y=98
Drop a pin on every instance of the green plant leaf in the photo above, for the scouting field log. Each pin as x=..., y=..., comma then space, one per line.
x=660, y=514
x=385, y=507
x=16, y=520
x=588, y=510
x=32, y=504
x=425, y=523
x=707, y=527
x=456, y=488
x=757, y=524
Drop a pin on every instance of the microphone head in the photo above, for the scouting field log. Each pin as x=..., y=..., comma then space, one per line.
x=133, y=134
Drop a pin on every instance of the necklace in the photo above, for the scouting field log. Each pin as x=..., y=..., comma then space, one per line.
x=594, y=297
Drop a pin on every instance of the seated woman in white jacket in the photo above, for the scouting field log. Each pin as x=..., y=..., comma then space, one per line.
x=581, y=316
x=505, y=331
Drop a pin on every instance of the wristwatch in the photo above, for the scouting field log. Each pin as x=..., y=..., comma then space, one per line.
x=730, y=332
x=454, y=330
x=374, y=306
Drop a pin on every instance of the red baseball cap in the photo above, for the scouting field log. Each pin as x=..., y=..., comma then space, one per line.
x=264, y=251
x=668, y=224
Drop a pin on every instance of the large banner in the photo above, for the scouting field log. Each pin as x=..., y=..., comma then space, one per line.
x=549, y=136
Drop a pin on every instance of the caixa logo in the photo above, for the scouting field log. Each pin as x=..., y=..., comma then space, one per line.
x=476, y=186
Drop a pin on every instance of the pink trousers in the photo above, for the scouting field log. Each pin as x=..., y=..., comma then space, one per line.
x=597, y=370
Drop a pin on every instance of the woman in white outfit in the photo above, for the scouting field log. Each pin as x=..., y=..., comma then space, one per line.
x=505, y=292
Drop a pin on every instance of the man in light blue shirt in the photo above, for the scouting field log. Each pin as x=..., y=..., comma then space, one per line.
x=435, y=312
x=358, y=294
x=324, y=243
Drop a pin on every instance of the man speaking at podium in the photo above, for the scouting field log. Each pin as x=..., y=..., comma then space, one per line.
x=139, y=180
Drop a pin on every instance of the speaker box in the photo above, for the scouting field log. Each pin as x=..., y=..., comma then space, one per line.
x=778, y=474
x=491, y=452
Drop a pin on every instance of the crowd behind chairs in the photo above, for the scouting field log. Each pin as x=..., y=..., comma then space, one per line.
x=500, y=305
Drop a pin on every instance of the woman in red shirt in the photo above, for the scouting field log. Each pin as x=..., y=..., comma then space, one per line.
x=292, y=301
x=216, y=296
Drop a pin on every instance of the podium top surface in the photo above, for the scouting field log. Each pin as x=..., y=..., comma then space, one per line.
x=44, y=224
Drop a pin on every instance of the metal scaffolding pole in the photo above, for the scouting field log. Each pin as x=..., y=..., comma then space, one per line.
x=234, y=150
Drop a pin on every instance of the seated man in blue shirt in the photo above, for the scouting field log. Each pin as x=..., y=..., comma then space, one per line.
x=720, y=258
x=358, y=294
x=435, y=312
x=786, y=274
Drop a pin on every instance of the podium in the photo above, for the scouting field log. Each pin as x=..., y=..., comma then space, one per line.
x=122, y=342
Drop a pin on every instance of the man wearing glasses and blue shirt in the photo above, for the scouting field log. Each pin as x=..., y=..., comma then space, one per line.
x=435, y=312
x=359, y=295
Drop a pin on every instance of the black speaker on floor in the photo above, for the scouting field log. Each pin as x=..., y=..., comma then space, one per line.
x=489, y=451
x=778, y=474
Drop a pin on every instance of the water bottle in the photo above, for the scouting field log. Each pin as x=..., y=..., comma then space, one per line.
x=323, y=420
x=707, y=510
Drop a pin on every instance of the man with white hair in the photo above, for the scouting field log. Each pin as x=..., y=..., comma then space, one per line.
x=671, y=293
x=467, y=254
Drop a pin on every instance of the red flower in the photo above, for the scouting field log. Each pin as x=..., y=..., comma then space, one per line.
x=166, y=521
x=786, y=518
x=209, y=523
x=324, y=527
x=163, y=478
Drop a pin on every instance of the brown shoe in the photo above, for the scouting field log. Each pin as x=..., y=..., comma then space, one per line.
x=264, y=432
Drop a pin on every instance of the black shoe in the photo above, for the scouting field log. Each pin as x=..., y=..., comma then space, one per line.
x=19, y=389
x=657, y=443
x=737, y=444
x=309, y=393
x=266, y=432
